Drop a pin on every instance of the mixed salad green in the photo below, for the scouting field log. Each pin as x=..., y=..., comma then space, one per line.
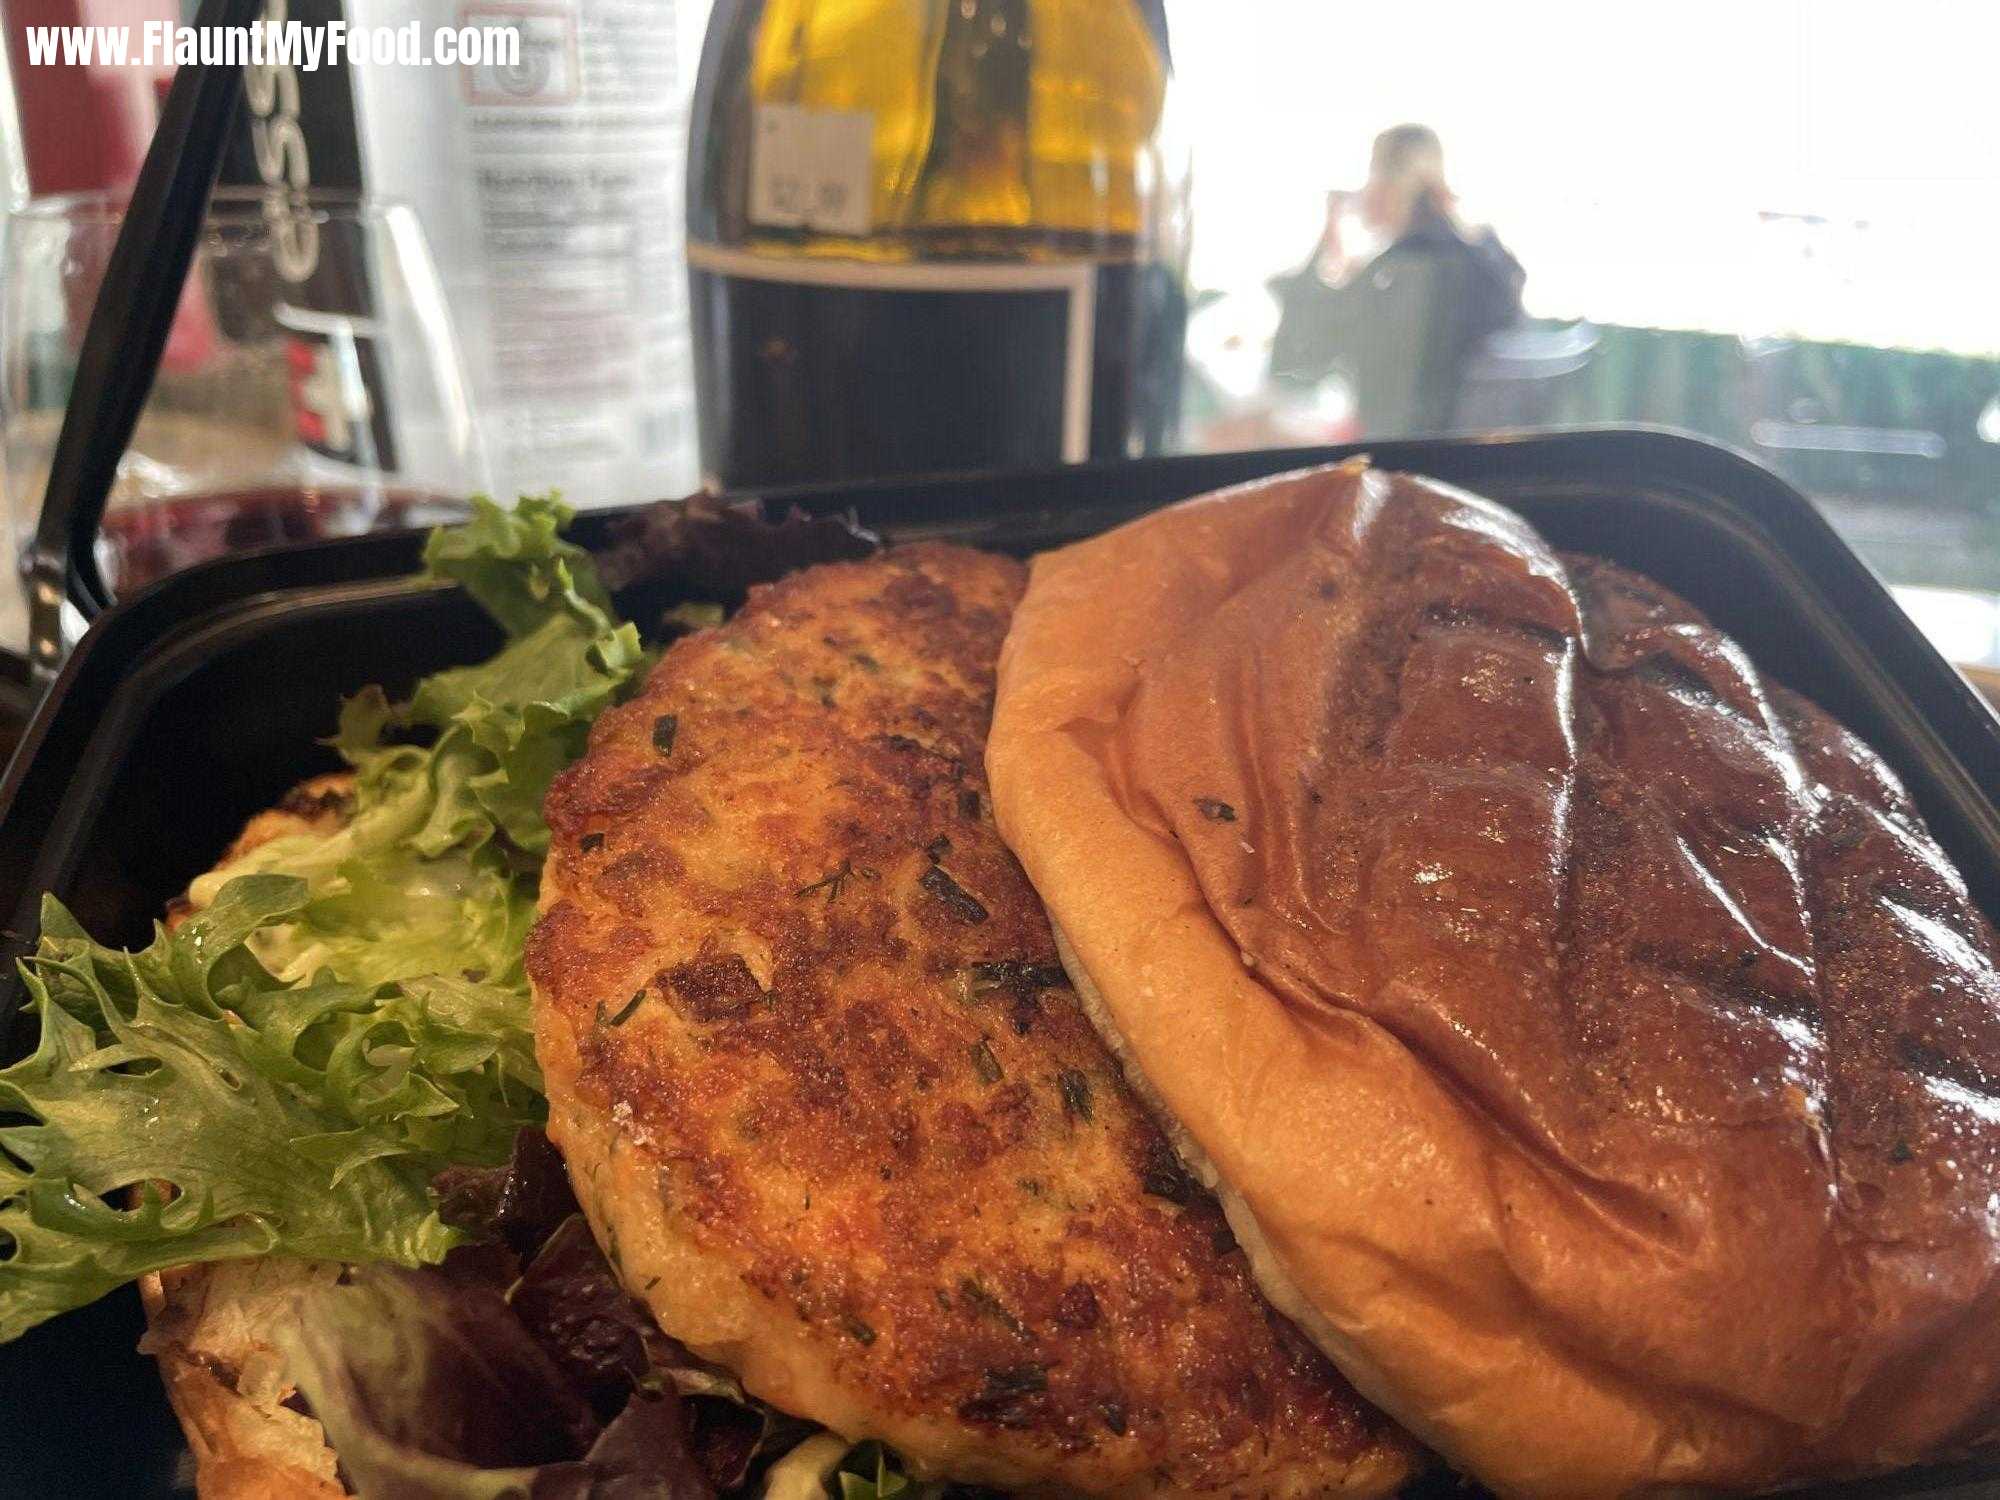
x=332, y=1058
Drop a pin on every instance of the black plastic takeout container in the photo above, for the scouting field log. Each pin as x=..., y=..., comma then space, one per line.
x=201, y=702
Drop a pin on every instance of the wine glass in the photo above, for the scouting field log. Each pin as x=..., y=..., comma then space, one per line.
x=311, y=385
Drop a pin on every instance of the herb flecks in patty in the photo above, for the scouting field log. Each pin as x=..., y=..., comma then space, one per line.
x=623, y=1013
x=956, y=899
x=835, y=881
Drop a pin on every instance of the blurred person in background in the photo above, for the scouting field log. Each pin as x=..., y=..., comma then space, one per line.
x=1400, y=323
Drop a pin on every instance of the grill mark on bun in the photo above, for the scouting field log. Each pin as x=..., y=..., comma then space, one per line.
x=1689, y=1033
x=1473, y=617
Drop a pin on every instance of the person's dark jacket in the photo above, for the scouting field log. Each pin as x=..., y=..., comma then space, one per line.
x=1478, y=292
x=1489, y=289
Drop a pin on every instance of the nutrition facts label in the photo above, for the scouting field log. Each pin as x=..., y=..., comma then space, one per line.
x=551, y=192
x=577, y=177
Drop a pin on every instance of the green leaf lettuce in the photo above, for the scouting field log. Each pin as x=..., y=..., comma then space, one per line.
x=345, y=1014
x=185, y=1105
x=435, y=870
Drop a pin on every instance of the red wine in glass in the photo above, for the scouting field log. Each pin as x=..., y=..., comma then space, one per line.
x=140, y=544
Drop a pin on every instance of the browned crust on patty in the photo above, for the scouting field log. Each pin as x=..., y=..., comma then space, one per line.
x=831, y=1103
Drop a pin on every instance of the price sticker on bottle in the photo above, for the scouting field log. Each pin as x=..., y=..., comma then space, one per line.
x=812, y=169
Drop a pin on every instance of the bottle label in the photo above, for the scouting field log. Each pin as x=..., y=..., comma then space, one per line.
x=866, y=368
x=550, y=197
x=812, y=169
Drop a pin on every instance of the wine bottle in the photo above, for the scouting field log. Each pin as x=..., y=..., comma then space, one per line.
x=933, y=234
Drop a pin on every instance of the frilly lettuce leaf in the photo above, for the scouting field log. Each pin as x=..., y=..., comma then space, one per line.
x=183, y=1104
x=435, y=870
x=506, y=726
x=345, y=1015
x=516, y=564
x=397, y=916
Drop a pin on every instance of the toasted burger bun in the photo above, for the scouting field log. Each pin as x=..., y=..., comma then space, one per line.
x=210, y=1329
x=1597, y=1054
x=210, y=1326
